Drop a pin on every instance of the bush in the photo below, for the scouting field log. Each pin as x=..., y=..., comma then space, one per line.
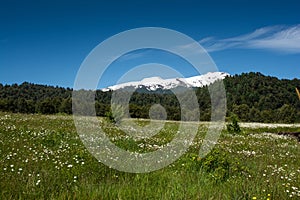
x=115, y=114
x=109, y=116
x=220, y=166
x=234, y=127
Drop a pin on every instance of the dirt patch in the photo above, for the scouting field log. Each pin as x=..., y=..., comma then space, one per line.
x=292, y=134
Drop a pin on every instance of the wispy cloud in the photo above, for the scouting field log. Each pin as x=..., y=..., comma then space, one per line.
x=285, y=39
x=135, y=54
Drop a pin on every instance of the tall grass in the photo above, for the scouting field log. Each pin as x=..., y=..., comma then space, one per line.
x=42, y=157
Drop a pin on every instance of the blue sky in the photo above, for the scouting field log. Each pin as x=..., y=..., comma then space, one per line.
x=45, y=42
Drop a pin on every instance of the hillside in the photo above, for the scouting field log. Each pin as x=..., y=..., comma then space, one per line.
x=251, y=96
x=156, y=83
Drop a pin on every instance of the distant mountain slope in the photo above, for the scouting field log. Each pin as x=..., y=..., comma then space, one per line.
x=251, y=96
x=155, y=83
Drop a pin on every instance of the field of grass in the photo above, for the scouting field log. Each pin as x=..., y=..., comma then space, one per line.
x=42, y=157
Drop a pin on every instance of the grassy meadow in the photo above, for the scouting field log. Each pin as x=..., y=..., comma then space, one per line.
x=42, y=157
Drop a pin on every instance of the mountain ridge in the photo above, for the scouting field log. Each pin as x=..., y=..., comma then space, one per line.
x=155, y=83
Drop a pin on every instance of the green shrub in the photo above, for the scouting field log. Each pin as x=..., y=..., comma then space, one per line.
x=109, y=116
x=115, y=114
x=220, y=166
x=233, y=127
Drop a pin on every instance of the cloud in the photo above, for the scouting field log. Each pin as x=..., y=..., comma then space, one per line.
x=285, y=39
x=135, y=54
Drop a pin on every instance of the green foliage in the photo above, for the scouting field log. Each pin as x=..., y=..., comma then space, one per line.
x=233, y=127
x=115, y=114
x=110, y=117
x=43, y=158
x=221, y=166
x=265, y=96
x=66, y=106
x=253, y=97
x=287, y=114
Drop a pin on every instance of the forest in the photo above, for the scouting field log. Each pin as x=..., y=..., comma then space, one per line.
x=252, y=97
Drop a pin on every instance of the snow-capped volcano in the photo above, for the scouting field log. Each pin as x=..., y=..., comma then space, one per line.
x=154, y=83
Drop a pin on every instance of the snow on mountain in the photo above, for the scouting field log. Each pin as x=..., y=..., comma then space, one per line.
x=154, y=83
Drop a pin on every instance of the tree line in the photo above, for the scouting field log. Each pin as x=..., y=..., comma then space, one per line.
x=253, y=97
